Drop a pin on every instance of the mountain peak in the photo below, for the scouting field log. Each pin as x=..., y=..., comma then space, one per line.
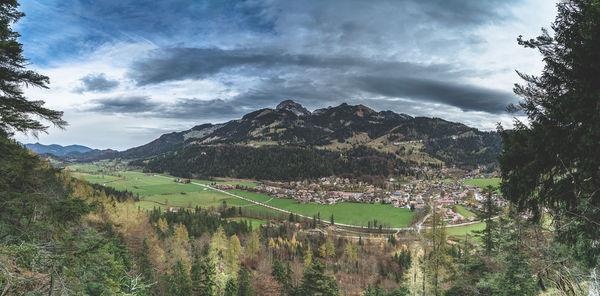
x=293, y=107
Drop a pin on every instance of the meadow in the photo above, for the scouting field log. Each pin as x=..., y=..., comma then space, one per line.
x=157, y=191
x=161, y=191
x=464, y=212
x=462, y=230
x=483, y=182
x=345, y=213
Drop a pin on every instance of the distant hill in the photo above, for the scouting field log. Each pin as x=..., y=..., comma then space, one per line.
x=385, y=135
x=57, y=150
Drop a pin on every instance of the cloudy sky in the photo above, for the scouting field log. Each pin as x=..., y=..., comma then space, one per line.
x=125, y=72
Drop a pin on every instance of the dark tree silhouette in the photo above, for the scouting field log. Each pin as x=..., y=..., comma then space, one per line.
x=553, y=163
x=17, y=113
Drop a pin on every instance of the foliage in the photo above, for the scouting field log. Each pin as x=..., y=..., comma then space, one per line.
x=272, y=163
x=552, y=162
x=316, y=282
x=16, y=111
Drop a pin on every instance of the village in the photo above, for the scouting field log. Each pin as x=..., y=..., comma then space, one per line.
x=455, y=200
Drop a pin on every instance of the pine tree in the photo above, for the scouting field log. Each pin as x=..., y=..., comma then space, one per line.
x=146, y=267
x=278, y=272
x=551, y=163
x=437, y=258
x=231, y=288
x=243, y=283
x=16, y=111
x=203, y=276
x=316, y=282
x=181, y=278
x=488, y=212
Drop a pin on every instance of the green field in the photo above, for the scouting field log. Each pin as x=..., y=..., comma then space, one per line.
x=256, y=223
x=462, y=230
x=345, y=213
x=155, y=191
x=482, y=183
x=161, y=191
x=464, y=212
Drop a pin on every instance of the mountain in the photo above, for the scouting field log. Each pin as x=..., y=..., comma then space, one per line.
x=342, y=137
x=57, y=150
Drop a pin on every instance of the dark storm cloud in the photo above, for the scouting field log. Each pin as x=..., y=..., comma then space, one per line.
x=463, y=96
x=123, y=104
x=171, y=64
x=96, y=82
x=319, y=79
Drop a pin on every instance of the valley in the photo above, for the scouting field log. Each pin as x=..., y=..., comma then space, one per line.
x=160, y=191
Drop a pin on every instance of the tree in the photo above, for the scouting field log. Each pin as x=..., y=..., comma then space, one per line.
x=16, y=111
x=517, y=278
x=232, y=255
x=243, y=283
x=552, y=163
x=307, y=256
x=181, y=278
x=315, y=282
x=436, y=250
x=489, y=211
x=279, y=272
x=203, y=276
x=146, y=267
x=253, y=244
x=231, y=288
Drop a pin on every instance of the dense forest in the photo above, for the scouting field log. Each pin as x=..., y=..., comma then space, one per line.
x=273, y=162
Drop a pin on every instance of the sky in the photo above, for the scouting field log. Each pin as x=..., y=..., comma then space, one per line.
x=125, y=72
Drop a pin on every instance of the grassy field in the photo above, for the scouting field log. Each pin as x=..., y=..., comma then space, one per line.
x=464, y=212
x=483, y=182
x=462, y=230
x=345, y=213
x=155, y=191
x=161, y=191
x=256, y=223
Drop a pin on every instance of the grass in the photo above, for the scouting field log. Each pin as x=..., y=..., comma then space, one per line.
x=464, y=212
x=156, y=190
x=256, y=223
x=482, y=183
x=462, y=230
x=345, y=213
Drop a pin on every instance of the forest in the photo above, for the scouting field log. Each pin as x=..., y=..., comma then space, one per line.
x=273, y=162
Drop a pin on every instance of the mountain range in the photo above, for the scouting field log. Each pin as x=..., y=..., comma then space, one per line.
x=340, y=129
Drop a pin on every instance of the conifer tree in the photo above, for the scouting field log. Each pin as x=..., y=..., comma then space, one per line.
x=146, y=267
x=243, y=283
x=316, y=282
x=181, y=278
x=17, y=113
x=550, y=164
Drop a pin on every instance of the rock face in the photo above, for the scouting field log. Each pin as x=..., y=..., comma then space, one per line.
x=293, y=107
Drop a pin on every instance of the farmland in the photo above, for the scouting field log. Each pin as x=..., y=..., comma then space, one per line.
x=462, y=230
x=483, y=182
x=161, y=191
x=155, y=191
x=346, y=213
